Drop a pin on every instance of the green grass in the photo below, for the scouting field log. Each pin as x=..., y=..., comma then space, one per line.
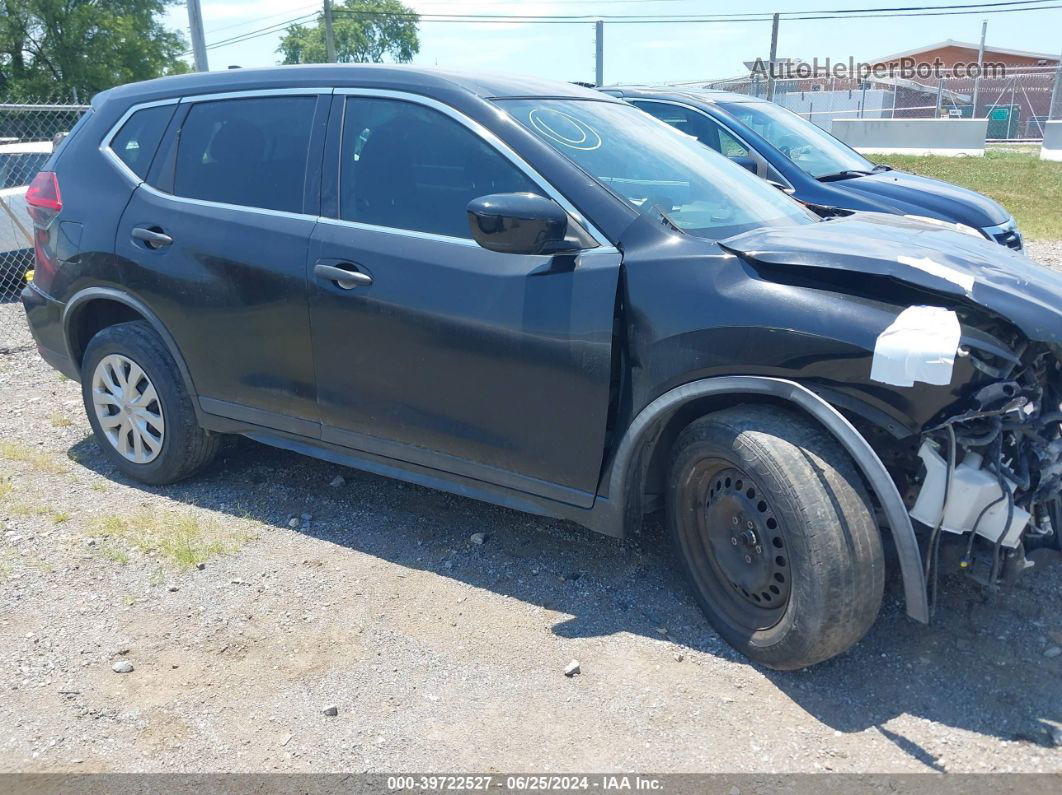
x=37, y=459
x=179, y=537
x=1027, y=186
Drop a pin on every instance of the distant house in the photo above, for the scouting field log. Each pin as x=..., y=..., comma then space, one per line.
x=951, y=52
x=1016, y=103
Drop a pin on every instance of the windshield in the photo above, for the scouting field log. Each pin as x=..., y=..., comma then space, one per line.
x=813, y=149
x=662, y=172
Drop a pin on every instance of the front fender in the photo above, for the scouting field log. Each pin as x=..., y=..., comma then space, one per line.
x=626, y=471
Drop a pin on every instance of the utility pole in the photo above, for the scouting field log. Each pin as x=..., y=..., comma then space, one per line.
x=774, y=56
x=195, y=28
x=1054, y=110
x=599, y=52
x=980, y=66
x=330, y=34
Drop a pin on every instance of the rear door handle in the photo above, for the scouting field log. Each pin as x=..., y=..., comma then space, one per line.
x=155, y=238
x=345, y=275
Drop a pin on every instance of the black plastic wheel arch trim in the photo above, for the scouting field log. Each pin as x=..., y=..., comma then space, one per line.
x=650, y=421
x=88, y=294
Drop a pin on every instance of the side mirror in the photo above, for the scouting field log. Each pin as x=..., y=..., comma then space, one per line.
x=747, y=163
x=519, y=223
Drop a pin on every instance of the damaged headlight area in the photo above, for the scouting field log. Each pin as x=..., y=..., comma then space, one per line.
x=992, y=471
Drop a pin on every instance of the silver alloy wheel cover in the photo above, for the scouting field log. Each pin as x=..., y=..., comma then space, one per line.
x=128, y=408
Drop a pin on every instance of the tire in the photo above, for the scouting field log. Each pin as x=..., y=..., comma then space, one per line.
x=776, y=535
x=171, y=445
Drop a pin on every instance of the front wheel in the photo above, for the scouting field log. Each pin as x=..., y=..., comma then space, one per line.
x=776, y=535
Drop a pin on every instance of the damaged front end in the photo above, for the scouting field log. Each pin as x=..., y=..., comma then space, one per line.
x=991, y=470
x=983, y=475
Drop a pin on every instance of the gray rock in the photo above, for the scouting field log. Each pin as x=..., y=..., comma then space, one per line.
x=478, y=538
x=1053, y=651
x=331, y=710
x=122, y=667
x=200, y=566
x=307, y=517
x=572, y=668
x=173, y=589
x=1056, y=736
x=337, y=481
x=293, y=521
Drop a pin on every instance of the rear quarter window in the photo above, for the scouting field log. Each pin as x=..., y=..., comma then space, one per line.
x=135, y=143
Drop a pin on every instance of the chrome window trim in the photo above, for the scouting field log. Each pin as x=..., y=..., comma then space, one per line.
x=256, y=92
x=394, y=230
x=224, y=205
x=128, y=173
x=492, y=140
x=467, y=242
x=105, y=144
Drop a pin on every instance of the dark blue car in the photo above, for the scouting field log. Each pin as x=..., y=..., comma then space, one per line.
x=812, y=165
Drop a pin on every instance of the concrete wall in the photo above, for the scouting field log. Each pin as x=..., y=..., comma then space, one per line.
x=821, y=107
x=914, y=136
x=1052, y=148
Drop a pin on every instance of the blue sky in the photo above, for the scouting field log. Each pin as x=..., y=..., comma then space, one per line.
x=642, y=53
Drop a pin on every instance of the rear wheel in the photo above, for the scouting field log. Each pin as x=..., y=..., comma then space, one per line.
x=139, y=410
x=776, y=535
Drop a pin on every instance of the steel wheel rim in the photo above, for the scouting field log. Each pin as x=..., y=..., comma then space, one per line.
x=128, y=409
x=718, y=494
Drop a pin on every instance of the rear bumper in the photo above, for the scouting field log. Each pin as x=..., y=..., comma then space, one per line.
x=45, y=317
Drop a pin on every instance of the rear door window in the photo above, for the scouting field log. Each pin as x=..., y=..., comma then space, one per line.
x=136, y=142
x=406, y=166
x=250, y=152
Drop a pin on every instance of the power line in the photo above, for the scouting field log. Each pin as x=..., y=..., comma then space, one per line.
x=692, y=16
x=288, y=11
x=997, y=7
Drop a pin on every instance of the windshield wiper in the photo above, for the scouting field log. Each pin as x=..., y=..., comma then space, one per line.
x=846, y=174
x=878, y=168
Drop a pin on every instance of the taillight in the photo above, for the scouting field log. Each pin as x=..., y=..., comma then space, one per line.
x=43, y=200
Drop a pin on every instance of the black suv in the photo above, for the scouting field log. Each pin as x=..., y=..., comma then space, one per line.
x=537, y=295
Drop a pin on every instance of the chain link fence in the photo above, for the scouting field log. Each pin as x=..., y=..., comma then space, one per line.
x=1017, y=104
x=28, y=132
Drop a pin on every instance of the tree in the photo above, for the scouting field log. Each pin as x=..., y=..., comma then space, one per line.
x=365, y=32
x=54, y=48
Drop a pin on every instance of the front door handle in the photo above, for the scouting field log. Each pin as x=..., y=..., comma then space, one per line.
x=153, y=237
x=346, y=276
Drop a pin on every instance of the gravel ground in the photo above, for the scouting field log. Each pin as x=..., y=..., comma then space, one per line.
x=438, y=652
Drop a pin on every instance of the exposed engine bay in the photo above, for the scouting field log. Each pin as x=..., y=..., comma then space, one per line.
x=991, y=473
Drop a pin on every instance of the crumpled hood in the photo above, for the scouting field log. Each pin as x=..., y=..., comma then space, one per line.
x=898, y=191
x=927, y=256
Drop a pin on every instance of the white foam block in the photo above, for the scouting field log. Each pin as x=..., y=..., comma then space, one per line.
x=920, y=345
